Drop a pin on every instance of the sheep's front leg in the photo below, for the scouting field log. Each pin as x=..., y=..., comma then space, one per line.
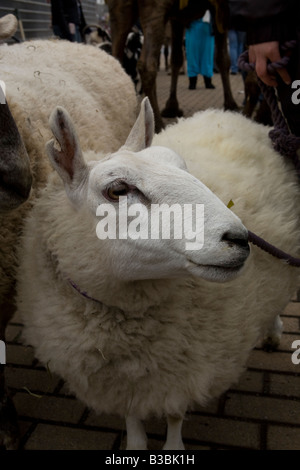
x=136, y=435
x=272, y=337
x=174, y=439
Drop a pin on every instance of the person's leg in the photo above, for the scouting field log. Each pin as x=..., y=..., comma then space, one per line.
x=208, y=83
x=57, y=31
x=77, y=34
x=207, y=55
x=232, y=38
x=192, y=83
x=192, y=55
x=241, y=42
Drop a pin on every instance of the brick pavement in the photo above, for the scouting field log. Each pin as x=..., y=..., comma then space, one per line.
x=261, y=412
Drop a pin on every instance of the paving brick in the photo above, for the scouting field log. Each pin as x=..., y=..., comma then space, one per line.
x=221, y=431
x=18, y=354
x=105, y=421
x=189, y=446
x=33, y=379
x=278, y=361
x=263, y=408
x=293, y=308
x=157, y=444
x=285, y=385
x=290, y=324
x=283, y=438
x=48, y=407
x=286, y=342
x=47, y=437
x=156, y=426
x=250, y=381
x=152, y=444
x=24, y=427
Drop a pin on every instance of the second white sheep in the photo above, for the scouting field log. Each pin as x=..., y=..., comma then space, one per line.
x=135, y=326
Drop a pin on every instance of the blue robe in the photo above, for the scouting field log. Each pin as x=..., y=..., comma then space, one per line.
x=199, y=45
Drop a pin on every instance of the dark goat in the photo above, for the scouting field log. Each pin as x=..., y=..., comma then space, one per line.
x=132, y=48
x=15, y=174
x=15, y=185
x=132, y=54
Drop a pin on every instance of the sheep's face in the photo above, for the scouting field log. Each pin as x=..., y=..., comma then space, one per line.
x=15, y=173
x=155, y=220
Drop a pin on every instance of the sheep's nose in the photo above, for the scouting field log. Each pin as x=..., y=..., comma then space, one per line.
x=236, y=238
x=18, y=183
x=15, y=177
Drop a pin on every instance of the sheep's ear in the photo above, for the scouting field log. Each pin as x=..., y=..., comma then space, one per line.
x=68, y=161
x=141, y=134
x=8, y=26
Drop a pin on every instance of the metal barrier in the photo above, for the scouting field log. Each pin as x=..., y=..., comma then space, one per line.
x=35, y=16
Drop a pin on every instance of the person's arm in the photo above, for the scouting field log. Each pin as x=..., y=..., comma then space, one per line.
x=263, y=53
x=267, y=24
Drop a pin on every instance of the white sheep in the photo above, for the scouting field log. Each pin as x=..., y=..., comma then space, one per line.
x=135, y=326
x=40, y=75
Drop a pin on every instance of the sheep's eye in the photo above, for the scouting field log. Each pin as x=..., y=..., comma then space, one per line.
x=114, y=192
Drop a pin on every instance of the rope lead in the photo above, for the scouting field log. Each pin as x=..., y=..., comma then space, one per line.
x=272, y=250
x=283, y=141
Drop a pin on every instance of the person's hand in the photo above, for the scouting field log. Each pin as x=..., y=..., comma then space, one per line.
x=260, y=54
x=72, y=28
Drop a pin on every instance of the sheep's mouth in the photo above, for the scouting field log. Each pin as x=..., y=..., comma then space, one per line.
x=225, y=267
x=215, y=272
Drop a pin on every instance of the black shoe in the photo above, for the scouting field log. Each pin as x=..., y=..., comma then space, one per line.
x=208, y=83
x=193, y=83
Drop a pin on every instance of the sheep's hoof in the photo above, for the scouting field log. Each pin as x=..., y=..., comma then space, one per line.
x=171, y=112
x=271, y=343
x=9, y=429
x=230, y=105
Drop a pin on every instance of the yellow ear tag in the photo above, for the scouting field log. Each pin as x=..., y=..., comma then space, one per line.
x=230, y=204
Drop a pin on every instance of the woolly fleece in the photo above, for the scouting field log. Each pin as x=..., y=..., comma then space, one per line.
x=90, y=84
x=161, y=346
